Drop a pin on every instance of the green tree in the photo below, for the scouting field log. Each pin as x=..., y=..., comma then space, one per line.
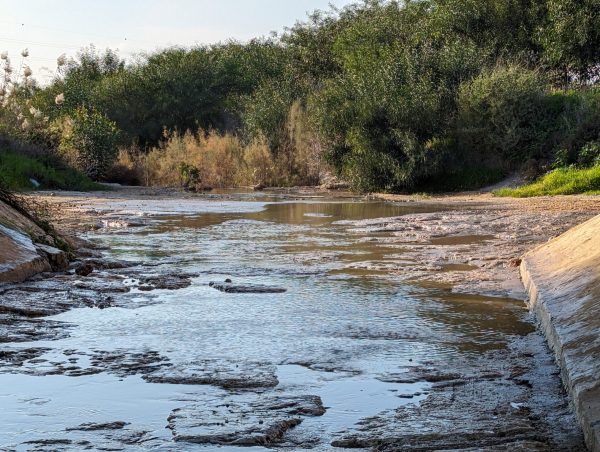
x=89, y=141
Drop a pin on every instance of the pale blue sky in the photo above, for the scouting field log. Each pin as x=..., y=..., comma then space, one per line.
x=49, y=28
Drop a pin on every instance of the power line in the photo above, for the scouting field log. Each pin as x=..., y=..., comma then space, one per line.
x=62, y=30
x=38, y=43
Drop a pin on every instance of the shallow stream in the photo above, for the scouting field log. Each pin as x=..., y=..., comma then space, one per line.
x=341, y=330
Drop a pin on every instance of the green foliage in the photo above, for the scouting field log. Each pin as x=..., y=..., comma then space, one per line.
x=17, y=170
x=570, y=36
x=394, y=95
x=89, y=141
x=563, y=181
x=589, y=155
x=505, y=115
x=190, y=176
x=179, y=89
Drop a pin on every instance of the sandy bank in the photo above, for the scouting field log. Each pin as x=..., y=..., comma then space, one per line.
x=563, y=281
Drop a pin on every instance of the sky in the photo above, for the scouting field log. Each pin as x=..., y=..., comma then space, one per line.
x=49, y=28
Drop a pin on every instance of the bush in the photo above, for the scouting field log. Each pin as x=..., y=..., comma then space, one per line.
x=89, y=142
x=589, y=155
x=506, y=116
x=17, y=170
x=210, y=159
x=197, y=161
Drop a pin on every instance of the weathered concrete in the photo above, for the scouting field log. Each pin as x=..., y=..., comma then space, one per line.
x=563, y=281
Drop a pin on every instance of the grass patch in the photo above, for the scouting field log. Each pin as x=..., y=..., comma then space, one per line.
x=16, y=170
x=563, y=181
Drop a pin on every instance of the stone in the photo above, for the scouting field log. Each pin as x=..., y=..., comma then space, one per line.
x=90, y=427
x=57, y=258
x=230, y=287
x=84, y=269
x=165, y=282
x=263, y=421
x=227, y=375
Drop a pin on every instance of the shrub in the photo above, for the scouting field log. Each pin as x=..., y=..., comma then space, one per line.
x=210, y=159
x=126, y=169
x=201, y=160
x=589, y=155
x=89, y=142
x=17, y=169
x=505, y=116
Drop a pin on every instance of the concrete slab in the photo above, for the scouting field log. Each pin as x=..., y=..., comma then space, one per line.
x=562, y=278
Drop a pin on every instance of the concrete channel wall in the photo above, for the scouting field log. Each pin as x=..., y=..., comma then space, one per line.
x=562, y=278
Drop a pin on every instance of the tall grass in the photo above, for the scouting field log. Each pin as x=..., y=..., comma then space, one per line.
x=210, y=159
x=563, y=181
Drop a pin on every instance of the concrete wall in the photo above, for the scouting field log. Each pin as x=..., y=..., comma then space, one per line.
x=563, y=281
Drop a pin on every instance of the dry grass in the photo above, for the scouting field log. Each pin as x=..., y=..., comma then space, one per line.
x=209, y=159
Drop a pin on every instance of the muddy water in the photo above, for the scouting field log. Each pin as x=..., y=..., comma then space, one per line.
x=344, y=330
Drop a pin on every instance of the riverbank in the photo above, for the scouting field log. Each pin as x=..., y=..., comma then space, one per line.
x=451, y=263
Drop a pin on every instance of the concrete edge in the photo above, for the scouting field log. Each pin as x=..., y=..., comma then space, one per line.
x=586, y=413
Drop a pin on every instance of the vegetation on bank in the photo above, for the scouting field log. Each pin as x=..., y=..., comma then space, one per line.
x=390, y=96
x=563, y=181
x=20, y=172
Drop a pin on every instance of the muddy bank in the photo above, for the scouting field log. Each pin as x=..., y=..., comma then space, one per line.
x=401, y=327
x=563, y=281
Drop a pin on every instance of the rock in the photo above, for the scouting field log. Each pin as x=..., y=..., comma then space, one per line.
x=232, y=375
x=229, y=287
x=19, y=258
x=108, y=264
x=87, y=252
x=84, y=269
x=58, y=259
x=335, y=186
x=49, y=442
x=259, y=187
x=263, y=421
x=90, y=427
x=165, y=282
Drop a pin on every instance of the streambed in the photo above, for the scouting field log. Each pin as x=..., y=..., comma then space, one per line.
x=401, y=327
